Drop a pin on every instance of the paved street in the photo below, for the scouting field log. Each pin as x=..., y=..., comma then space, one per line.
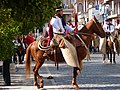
x=94, y=76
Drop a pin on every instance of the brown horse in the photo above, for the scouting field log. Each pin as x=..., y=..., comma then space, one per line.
x=86, y=33
x=112, y=47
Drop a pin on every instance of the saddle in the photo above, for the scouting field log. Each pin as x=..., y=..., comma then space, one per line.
x=73, y=39
x=53, y=53
x=56, y=52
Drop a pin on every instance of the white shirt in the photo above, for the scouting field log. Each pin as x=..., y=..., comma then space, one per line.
x=57, y=24
x=118, y=27
x=69, y=28
x=108, y=28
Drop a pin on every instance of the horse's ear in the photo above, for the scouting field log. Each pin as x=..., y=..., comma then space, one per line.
x=95, y=18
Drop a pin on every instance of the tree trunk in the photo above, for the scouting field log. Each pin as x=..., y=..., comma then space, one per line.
x=6, y=72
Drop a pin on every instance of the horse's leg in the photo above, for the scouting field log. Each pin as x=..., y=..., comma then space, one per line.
x=75, y=73
x=104, y=56
x=36, y=74
x=35, y=78
x=98, y=48
x=114, y=57
x=110, y=57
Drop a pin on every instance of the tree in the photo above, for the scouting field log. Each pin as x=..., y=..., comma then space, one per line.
x=8, y=30
x=20, y=17
x=32, y=13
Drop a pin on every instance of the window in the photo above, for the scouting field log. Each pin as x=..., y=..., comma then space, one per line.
x=72, y=1
x=80, y=7
x=115, y=8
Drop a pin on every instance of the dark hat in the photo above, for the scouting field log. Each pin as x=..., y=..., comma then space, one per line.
x=69, y=20
x=108, y=19
x=59, y=8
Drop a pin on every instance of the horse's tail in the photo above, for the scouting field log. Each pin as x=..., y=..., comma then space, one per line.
x=28, y=61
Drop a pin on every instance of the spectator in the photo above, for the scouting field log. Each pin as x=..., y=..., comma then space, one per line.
x=40, y=36
x=29, y=39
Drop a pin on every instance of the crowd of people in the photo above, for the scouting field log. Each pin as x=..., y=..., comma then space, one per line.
x=20, y=45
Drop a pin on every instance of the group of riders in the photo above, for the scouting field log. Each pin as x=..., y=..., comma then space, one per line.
x=56, y=27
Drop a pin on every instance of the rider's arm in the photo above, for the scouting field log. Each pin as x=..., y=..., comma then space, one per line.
x=112, y=28
x=70, y=29
x=54, y=23
x=105, y=27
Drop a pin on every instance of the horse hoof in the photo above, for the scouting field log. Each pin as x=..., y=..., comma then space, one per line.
x=38, y=87
x=76, y=87
x=35, y=84
x=104, y=61
x=41, y=85
x=114, y=63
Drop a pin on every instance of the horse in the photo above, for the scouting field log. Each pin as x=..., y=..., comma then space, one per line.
x=112, y=47
x=84, y=35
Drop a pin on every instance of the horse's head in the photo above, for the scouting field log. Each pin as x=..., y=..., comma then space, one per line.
x=97, y=27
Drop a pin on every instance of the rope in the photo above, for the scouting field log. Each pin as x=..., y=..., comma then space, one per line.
x=96, y=23
x=88, y=53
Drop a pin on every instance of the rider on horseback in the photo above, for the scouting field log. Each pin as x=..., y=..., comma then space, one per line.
x=59, y=25
x=108, y=28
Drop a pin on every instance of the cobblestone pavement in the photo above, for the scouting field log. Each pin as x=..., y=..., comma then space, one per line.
x=94, y=76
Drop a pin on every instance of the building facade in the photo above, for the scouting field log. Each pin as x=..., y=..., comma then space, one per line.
x=86, y=9
x=112, y=10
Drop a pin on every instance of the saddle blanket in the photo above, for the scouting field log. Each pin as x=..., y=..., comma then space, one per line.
x=70, y=54
x=102, y=46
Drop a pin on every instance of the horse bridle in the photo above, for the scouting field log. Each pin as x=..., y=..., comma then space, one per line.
x=96, y=24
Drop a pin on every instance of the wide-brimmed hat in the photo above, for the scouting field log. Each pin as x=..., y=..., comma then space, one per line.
x=108, y=19
x=59, y=8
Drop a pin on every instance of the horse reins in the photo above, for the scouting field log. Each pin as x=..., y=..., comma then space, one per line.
x=96, y=24
x=83, y=43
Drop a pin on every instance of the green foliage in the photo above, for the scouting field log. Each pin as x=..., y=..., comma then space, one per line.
x=20, y=17
x=8, y=30
x=32, y=13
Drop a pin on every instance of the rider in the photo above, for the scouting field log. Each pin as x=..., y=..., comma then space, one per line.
x=59, y=25
x=59, y=28
x=108, y=28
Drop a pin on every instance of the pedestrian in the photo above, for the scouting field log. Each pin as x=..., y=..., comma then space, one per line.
x=40, y=36
x=18, y=49
x=23, y=52
x=29, y=39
